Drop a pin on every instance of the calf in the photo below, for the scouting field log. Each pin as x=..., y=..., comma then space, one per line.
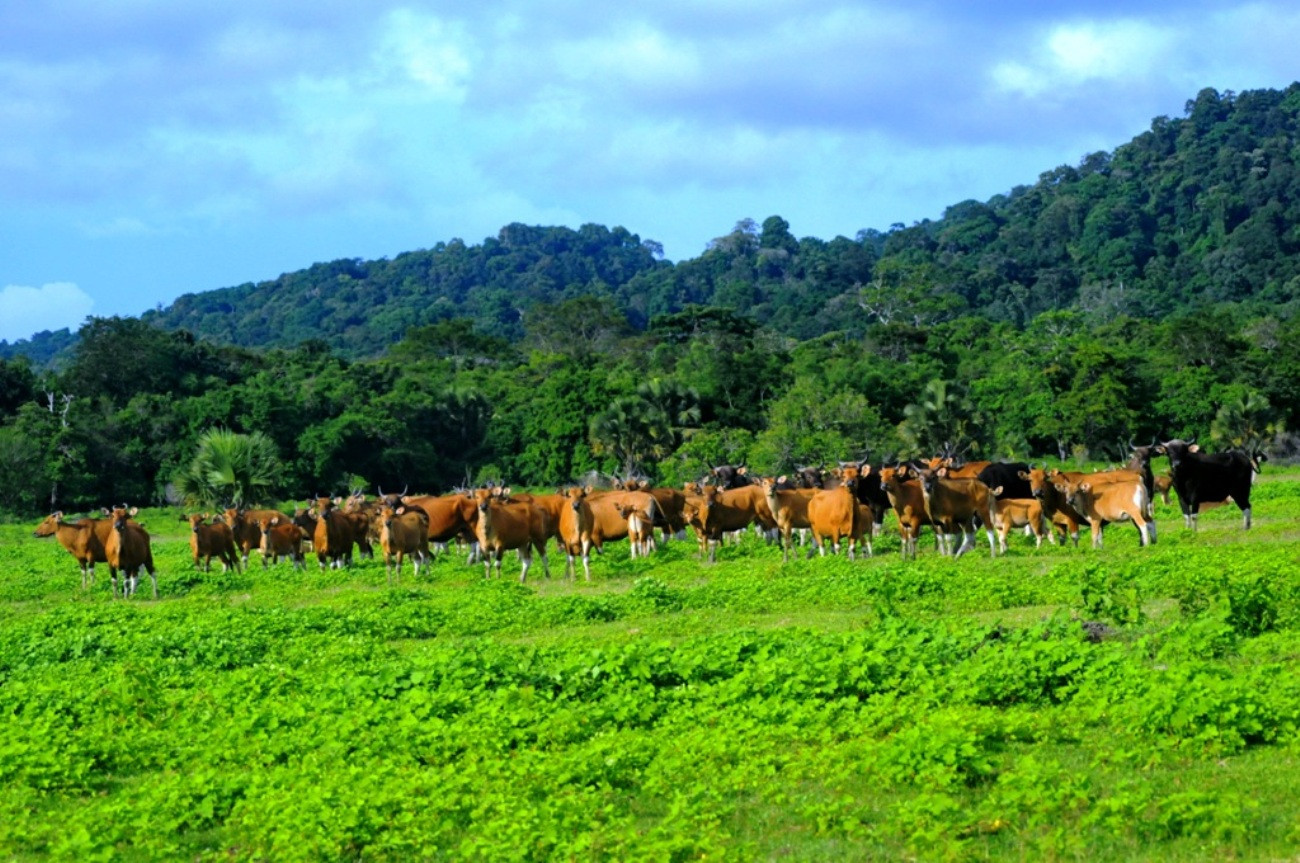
x=403, y=532
x=83, y=539
x=607, y=523
x=281, y=539
x=1009, y=512
x=718, y=512
x=1123, y=500
x=128, y=550
x=640, y=528
x=212, y=540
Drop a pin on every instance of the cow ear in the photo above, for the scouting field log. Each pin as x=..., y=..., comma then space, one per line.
x=996, y=491
x=943, y=471
x=1085, y=486
x=1022, y=474
x=275, y=520
x=399, y=510
x=1194, y=448
x=781, y=478
x=133, y=511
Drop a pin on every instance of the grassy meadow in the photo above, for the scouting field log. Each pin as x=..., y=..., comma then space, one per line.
x=1055, y=703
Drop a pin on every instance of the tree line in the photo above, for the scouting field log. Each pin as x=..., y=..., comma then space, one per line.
x=449, y=405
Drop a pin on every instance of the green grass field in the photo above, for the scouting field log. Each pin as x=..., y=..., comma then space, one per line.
x=668, y=710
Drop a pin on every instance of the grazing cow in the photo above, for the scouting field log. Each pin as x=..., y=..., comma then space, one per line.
x=1201, y=478
x=247, y=532
x=789, y=508
x=212, y=540
x=574, y=530
x=127, y=549
x=281, y=539
x=335, y=535
x=953, y=505
x=1056, y=509
x=83, y=539
x=1009, y=512
x=501, y=527
x=1100, y=503
x=640, y=528
x=833, y=515
x=403, y=531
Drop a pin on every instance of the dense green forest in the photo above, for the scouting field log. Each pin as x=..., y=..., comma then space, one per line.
x=1149, y=291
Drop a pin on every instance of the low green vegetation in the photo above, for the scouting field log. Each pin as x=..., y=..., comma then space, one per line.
x=1131, y=704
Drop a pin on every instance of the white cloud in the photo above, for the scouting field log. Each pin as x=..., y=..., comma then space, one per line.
x=1077, y=53
x=25, y=311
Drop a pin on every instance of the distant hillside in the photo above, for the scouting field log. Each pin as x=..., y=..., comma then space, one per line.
x=1197, y=211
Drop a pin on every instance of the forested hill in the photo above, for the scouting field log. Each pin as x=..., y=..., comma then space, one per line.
x=1201, y=210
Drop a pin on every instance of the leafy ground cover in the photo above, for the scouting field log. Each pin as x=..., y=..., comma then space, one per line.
x=1053, y=703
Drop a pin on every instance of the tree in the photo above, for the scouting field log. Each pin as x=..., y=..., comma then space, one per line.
x=230, y=468
x=633, y=431
x=1247, y=422
x=943, y=417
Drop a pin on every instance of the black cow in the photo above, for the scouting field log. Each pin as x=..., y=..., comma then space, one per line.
x=731, y=476
x=1208, y=478
x=1007, y=475
x=809, y=477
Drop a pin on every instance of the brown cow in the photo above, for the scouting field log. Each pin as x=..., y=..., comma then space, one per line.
x=451, y=516
x=607, y=523
x=244, y=524
x=640, y=528
x=281, y=539
x=127, y=549
x=789, y=508
x=669, y=503
x=211, y=540
x=1122, y=500
x=720, y=512
x=335, y=535
x=954, y=505
x=403, y=531
x=834, y=515
x=1018, y=512
x=501, y=527
x=905, y=496
x=84, y=540
x=1056, y=509
x=574, y=530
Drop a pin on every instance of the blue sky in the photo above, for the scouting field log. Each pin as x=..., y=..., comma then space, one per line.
x=154, y=148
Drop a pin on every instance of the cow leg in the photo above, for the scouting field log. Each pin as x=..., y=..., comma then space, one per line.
x=1245, y=518
x=853, y=549
x=526, y=561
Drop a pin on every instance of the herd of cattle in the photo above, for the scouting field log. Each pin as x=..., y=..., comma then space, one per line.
x=843, y=506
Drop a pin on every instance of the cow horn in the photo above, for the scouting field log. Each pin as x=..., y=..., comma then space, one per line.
x=380, y=489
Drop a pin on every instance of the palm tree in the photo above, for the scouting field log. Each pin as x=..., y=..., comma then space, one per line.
x=1246, y=422
x=633, y=431
x=941, y=418
x=229, y=468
